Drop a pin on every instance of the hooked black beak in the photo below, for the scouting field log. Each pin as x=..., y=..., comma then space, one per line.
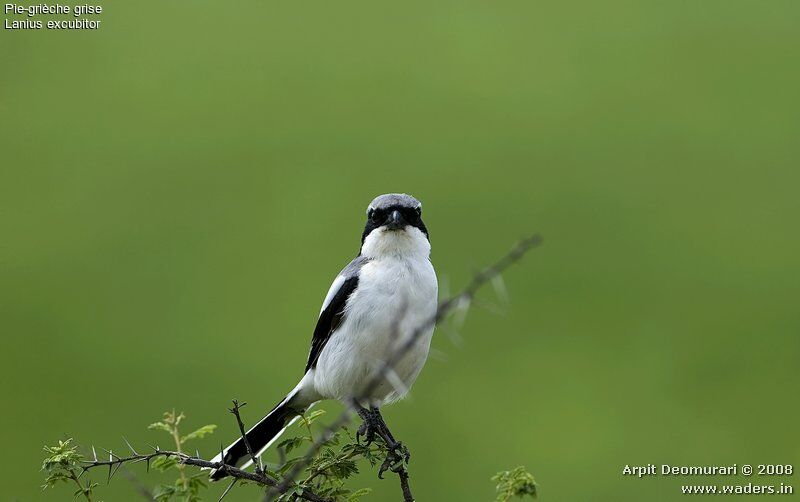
x=395, y=221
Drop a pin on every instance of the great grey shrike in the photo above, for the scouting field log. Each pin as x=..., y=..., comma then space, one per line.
x=385, y=293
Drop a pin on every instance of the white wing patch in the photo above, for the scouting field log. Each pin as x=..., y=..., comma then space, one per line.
x=337, y=283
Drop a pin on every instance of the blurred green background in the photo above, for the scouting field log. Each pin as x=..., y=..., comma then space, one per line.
x=179, y=188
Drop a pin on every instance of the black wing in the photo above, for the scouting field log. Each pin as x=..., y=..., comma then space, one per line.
x=329, y=319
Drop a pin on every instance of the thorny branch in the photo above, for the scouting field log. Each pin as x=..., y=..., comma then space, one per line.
x=445, y=307
x=115, y=461
x=256, y=461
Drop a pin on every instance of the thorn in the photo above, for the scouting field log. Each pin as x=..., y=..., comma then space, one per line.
x=129, y=446
x=394, y=380
x=111, y=455
x=148, y=464
x=460, y=310
x=500, y=288
x=491, y=307
x=114, y=471
x=438, y=355
x=94, y=453
x=236, y=407
x=453, y=334
x=228, y=489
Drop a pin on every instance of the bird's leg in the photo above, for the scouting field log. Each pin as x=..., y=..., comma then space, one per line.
x=371, y=425
x=397, y=454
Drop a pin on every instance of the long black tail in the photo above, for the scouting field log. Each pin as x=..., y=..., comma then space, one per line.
x=260, y=436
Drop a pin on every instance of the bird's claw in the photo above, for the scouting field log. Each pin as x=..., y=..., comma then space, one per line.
x=371, y=426
x=397, y=456
x=368, y=431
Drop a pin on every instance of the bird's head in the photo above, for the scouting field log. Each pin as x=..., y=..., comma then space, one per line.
x=394, y=226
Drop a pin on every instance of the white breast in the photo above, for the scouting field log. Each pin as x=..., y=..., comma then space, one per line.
x=395, y=295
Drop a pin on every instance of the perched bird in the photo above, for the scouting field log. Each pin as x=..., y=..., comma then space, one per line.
x=384, y=294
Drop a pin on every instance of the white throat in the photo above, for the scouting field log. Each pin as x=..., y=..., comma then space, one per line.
x=409, y=243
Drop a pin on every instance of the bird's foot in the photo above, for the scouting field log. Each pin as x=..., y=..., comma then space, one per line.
x=372, y=425
x=397, y=457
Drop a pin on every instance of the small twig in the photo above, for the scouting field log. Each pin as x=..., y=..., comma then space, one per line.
x=85, y=491
x=256, y=461
x=176, y=436
x=403, y=475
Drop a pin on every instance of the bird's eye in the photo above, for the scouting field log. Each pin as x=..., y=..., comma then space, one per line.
x=375, y=216
x=411, y=215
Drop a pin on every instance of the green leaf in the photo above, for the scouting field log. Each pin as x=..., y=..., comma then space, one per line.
x=334, y=465
x=289, y=463
x=61, y=465
x=196, y=482
x=358, y=494
x=53, y=479
x=199, y=433
x=61, y=456
x=334, y=440
x=269, y=472
x=163, y=493
x=160, y=426
x=311, y=417
x=515, y=483
x=164, y=463
x=292, y=443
